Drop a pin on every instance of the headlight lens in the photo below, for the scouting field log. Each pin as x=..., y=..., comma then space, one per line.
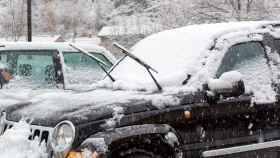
x=63, y=136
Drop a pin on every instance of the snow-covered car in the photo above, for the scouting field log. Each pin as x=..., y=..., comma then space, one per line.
x=200, y=91
x=39, y=65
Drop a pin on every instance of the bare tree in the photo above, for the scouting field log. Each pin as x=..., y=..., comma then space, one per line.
x=74, y=17
x=14, y=21
x=49, y=16
x=231, y=10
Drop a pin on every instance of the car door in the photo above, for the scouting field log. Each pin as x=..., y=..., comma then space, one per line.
x=244, y=123
x=250, y=59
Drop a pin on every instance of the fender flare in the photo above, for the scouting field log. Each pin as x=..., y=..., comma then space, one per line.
x=101, y=141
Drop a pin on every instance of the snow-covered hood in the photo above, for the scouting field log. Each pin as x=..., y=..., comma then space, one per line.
x=48, y=107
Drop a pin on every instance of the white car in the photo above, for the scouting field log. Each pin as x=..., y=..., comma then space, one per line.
x=51, y=65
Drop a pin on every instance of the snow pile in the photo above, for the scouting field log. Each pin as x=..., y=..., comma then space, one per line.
x=100, y=144
x=14, y=143
x=117, y=116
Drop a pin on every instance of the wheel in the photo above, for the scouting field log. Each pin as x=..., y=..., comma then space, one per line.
x=148, y=146
x=138, y=153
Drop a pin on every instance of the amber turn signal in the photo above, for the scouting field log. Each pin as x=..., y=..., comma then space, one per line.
x=74, y=154
x=187, y=115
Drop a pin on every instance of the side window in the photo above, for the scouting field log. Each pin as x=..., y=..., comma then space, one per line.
x=243, y=56
x=249, y=59
x=81, y=69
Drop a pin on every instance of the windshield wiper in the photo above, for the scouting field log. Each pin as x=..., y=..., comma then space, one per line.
x=127, y=54
x=100, y=62
x=139, y=61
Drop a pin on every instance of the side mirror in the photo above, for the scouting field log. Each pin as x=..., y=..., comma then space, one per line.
x=230, y=84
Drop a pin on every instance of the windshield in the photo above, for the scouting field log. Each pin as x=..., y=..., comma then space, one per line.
x=82, y=70
x=29, y=68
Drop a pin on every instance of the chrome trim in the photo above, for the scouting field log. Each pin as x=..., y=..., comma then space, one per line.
x=9, y=124
x=41, y=129
x=64, y=152
x=241, y=149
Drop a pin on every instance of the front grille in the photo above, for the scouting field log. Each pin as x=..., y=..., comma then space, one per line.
x=37, y=132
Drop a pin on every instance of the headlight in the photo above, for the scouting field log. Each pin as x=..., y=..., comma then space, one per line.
x=63, y=137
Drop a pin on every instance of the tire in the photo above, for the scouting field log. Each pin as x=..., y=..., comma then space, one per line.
x=150, y=147
x=138, y=153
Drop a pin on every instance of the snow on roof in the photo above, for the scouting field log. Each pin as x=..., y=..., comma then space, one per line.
x=41, y=38
x=175, y=53
x=60, y=46
x=46, y=38
x=143, y=29
x=45, y=45
x=56, y=38
x=87, y=40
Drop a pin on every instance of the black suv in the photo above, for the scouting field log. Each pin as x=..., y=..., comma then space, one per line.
x=210, y=91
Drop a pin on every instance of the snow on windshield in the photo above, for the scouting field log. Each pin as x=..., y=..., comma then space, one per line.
x=81, y=70
x=15, y=143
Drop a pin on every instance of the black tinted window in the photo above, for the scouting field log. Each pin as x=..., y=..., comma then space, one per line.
x=241, y=55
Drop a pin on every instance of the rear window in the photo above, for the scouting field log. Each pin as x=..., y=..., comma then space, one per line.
x=32, y=68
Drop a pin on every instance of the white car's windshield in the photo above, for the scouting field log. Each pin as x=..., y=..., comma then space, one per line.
x=82, y=70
